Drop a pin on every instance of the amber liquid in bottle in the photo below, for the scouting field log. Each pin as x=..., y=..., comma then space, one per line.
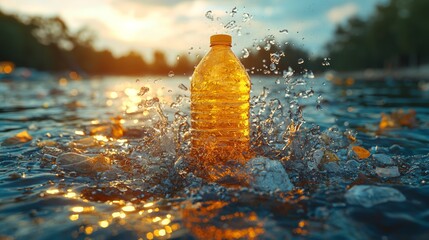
x=220, y=92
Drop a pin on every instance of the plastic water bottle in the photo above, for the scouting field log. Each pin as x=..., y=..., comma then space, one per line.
x=220, y=92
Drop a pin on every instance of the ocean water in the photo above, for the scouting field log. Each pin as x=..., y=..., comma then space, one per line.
x=133, y=138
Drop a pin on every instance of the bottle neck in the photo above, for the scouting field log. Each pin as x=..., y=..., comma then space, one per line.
x=219, y=46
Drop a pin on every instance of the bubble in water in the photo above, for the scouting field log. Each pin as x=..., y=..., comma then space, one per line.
x=230, y=25
x=209, y=15
x=171, y=74
x=245, y=53
x=246, y=17
x=233, y=11
x=300, y=61
x=278, y=81
x=309, y=74
x=183, y=87
x=284, y=31
x=273, y=67
x=258, y=47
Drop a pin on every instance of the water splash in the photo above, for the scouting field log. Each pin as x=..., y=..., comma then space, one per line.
x=209, y=15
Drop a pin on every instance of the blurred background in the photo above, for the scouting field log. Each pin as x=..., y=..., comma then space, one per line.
x=139, y=37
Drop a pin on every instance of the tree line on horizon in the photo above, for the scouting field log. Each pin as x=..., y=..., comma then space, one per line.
x=394, y=36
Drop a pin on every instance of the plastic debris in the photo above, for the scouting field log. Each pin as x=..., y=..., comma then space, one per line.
x=267, y=175
x=21, y=137
x=398, y=119
x=387, y=172
x=361, y=152
x=83, y=164
x=368, y=196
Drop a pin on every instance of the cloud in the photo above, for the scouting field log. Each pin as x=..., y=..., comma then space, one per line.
x=338, y=14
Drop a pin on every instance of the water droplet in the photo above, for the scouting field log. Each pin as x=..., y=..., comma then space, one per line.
x=178, y=57
x=246, y=17
x=245, y=53
x=171, y=74
x=209, y=15
x=230, y=25
x=267, y=47
x=258, y=48
x=143, y=91
x=275, y=58
x=183, y=87
x=310, y=74
x=233, y=11
x=284, y=31
x=273, y=67
x=300, y=61
x=278, y=81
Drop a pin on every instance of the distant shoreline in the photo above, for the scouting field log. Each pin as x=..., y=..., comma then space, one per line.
x=403, y=74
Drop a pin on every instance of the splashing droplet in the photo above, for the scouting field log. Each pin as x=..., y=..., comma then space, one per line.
x=267, y=47
x=273, y=67
x=300, y=61
x=275, y=58
x=183, y=87
x=230, y=25
x=284, y=31
x=245, y=53
x=171, y=74
x=247, y=17
x=233, y=11
x=143, y=91
x=209, y=15
x=310, y=74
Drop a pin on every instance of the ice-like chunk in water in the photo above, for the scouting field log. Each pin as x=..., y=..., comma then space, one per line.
x=387, y=172
x=267, y=175
x=383, y=159
x=83, y=164
x=368, y=196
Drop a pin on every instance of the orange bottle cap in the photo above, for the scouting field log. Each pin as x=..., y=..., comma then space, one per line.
x=220, y=39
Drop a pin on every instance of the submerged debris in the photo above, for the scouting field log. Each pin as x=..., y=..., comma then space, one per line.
x=368, y=196
x=387, y=171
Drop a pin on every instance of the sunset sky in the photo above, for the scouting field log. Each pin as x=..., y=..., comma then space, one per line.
x=179, y=27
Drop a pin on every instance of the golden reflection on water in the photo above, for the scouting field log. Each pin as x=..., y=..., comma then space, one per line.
x=147, y=220
x=207, y=221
